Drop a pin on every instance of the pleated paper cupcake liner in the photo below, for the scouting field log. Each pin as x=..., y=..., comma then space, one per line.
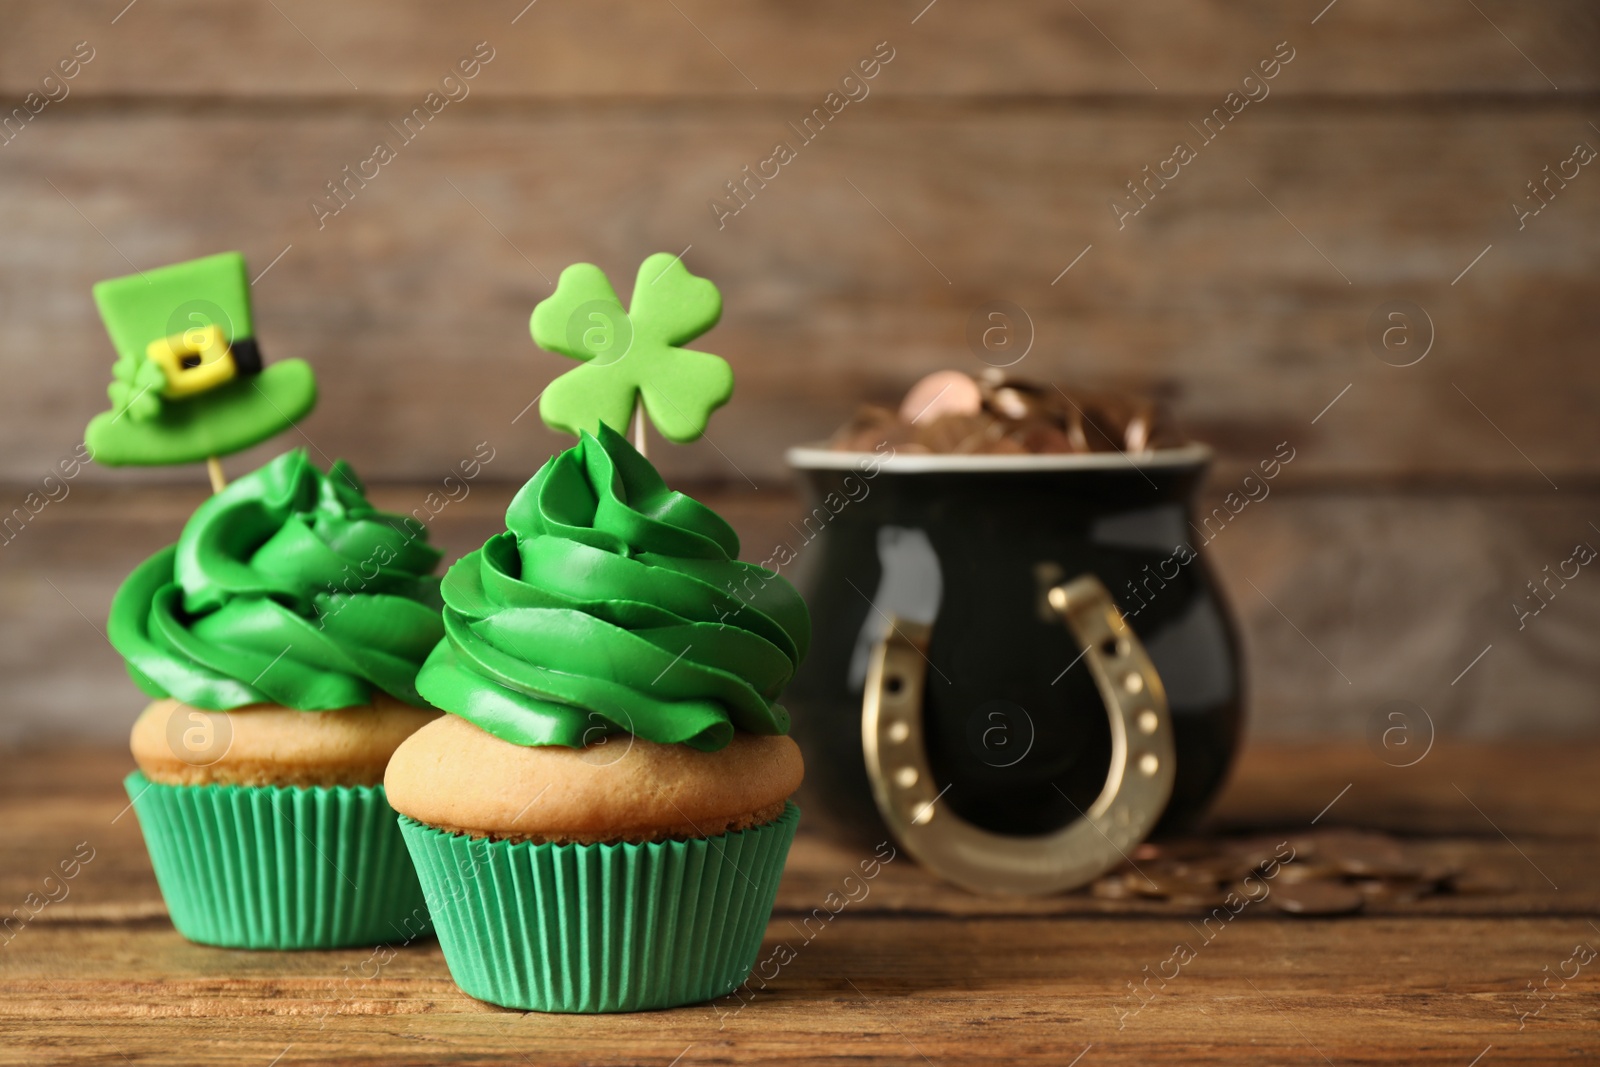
x=280, y=867
x=601, y=928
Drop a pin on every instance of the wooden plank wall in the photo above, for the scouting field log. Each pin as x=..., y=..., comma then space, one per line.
x=1382, y=164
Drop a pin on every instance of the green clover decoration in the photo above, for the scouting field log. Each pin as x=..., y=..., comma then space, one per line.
x=634, y=355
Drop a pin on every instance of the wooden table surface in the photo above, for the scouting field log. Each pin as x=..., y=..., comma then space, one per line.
x=915, y=972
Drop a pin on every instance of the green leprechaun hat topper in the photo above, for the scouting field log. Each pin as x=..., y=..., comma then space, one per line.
x=635, y=357
x=189, y=384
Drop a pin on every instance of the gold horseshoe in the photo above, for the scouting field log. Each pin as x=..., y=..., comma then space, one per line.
x=1136, y=790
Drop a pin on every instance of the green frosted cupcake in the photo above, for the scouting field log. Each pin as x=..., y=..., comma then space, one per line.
x=281, y=638
x=601, y=822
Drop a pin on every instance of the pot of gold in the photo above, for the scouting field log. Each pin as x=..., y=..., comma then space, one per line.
x=1021, y=665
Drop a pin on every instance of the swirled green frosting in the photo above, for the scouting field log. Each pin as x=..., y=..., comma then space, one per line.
x=287, y=587
x=611, y=604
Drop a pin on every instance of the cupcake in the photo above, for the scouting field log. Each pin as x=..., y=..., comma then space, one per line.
x=280, y=637
x=601, y=821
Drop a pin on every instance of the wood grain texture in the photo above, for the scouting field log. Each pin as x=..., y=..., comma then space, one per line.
x=877, y=992
x=916, y=970
x=414, y=308
x=614, y=48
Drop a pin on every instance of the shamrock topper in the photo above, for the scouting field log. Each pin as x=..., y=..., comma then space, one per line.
x=634, y=354
x=188, y=384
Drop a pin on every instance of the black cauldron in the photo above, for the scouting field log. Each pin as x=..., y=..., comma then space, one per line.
x=958, y=556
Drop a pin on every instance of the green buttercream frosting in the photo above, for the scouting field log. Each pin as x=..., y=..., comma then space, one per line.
x=612, y=604
x=287, y=587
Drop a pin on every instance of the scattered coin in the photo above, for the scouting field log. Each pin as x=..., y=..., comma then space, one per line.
x=1355, y=852
x=1012, y=416
x=1110, y=888
x=1044, y=437
x=952, y=433
x=1306, y=870
x=1317, y=898
x=1012, y=404
x=1137, y=434
x=1333, y=872
x=944, y=392
x=1143, y=885
x=868, y=428
x=1181, y=850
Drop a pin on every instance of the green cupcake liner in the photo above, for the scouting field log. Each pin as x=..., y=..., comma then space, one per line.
x=280, y=867
x=601, y=928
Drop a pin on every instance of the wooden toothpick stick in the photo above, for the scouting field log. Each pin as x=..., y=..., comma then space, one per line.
x=214, y=468
x=638, y=427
